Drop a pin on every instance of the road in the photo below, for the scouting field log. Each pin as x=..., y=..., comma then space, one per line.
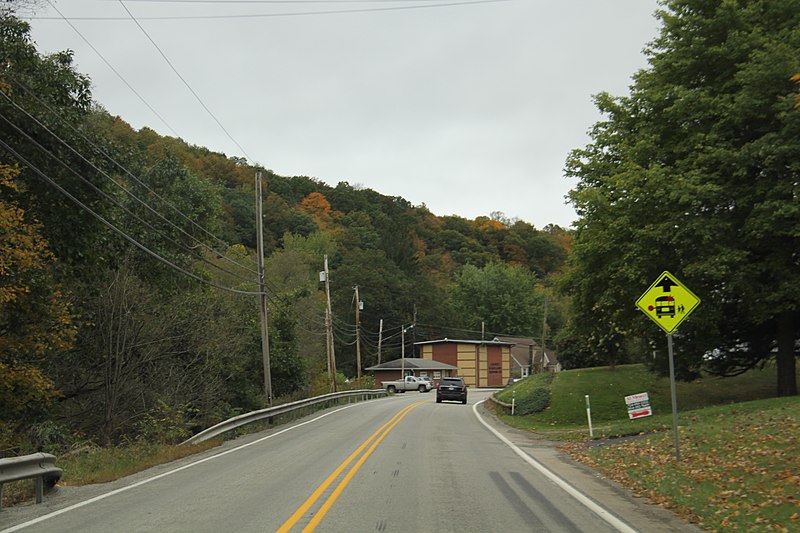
x=398, y=464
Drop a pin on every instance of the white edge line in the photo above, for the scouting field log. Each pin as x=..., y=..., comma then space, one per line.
x=612, y=520
x=165, y=474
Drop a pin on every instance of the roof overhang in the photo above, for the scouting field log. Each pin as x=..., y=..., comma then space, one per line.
x=464, y=341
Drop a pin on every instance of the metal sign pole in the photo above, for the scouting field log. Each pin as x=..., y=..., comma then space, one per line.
x=674, y=396
x=667, y=303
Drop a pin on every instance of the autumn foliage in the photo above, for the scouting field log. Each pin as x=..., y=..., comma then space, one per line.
x=34, y=316
x=319, y=209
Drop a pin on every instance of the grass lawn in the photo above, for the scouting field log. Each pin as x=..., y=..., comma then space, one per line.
x=740, y=447
x=739, y=468
x=565, y=418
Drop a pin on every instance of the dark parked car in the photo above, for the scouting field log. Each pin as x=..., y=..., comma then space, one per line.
x=452, y=389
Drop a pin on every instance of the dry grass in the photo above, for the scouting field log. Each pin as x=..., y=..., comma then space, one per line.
x=100, y=465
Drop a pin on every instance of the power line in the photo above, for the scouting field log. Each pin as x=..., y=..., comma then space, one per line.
x=280, y=299
x=186, y=83
x=284, y=14
x=251, y=2
x=111, y=226
x=105, y=194
x=109, y=65
x=124, y=170
x=111, y=199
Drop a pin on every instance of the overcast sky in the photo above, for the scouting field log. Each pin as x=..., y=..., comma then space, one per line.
x=468, y=108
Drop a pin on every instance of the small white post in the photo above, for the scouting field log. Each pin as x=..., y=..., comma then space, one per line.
x=589, y=417
x=513, y=401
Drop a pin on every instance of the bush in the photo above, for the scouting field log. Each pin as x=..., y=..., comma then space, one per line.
x=166, y=424
x=535, y=402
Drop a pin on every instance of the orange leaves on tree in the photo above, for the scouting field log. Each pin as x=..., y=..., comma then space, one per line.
x=319, y=209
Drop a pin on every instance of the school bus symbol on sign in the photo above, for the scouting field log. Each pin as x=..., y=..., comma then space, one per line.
x=667, y=302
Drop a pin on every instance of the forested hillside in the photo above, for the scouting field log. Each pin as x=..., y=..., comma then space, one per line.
x=128, y=278
x=128, y=271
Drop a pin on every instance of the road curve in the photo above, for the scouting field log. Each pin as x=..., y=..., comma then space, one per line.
x=403, y=463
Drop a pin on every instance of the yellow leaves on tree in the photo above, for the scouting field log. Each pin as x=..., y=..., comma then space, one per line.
x=486, y=224
x=23, y=389
x=796, y=79
x=21, y=248
x=34, y=315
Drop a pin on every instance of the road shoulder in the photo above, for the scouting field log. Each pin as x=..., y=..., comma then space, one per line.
x=616, y=499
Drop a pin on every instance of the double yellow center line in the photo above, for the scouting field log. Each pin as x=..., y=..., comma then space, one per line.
x=372, y=442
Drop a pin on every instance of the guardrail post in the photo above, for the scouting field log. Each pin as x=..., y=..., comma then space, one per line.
x=39, y=489
x=37, y=466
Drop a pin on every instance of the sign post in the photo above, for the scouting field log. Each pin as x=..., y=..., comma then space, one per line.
x=667, y=303
x=674, y=397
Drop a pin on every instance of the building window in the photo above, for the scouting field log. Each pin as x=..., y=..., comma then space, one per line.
x=437, y=374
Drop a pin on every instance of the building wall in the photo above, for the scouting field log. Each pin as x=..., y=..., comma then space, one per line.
x=467, y=363
x=445, y=353
x=386, y=375
x=480, y=365
x=506, y=364
x=394, y=375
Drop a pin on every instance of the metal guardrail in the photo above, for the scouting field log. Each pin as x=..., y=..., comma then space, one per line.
x=255, y=416
x=38, y=466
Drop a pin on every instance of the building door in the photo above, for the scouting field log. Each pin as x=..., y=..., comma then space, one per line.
x=495, y=370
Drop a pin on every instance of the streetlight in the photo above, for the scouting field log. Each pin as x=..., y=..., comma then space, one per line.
x=403, y=351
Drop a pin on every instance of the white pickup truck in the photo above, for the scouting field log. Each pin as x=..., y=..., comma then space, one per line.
x=409, y=383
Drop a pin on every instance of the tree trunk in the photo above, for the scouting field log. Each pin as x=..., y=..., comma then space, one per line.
x=787, y=362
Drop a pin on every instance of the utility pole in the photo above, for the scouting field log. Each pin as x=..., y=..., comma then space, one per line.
x=329, y=327
x=358, y=336
x=380, y=340
x=415, y=323
x=262, y=290
x=403, y=350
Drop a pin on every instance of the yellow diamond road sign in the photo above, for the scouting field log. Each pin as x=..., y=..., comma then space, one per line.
x=667, y=302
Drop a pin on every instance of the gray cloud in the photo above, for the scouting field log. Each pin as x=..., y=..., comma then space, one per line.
x=467, y=109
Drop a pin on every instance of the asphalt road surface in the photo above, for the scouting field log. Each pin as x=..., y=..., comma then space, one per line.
x=397, y=464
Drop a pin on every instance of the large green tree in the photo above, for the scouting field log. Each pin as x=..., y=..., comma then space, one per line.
x=697, y=172
x=505, y=299
x=44, y=107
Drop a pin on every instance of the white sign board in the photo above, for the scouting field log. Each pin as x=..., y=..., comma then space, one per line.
x=638, y=405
